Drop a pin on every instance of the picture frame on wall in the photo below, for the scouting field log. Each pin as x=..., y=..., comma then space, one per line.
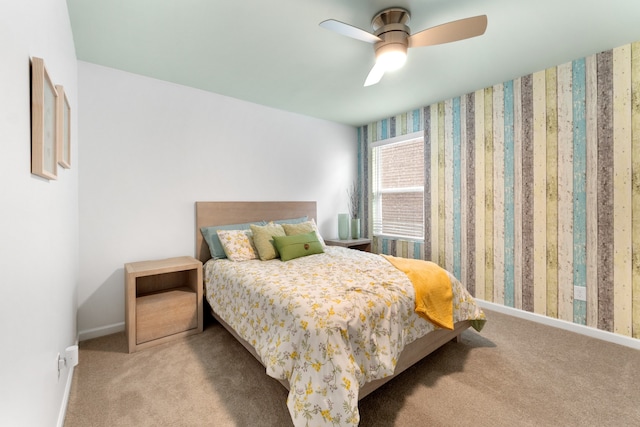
x=63, y=128
x=44, y=150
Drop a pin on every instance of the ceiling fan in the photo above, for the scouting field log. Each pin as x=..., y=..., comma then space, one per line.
x=391, y=37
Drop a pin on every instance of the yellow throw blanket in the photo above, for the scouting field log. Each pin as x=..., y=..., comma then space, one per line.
x=434, y=296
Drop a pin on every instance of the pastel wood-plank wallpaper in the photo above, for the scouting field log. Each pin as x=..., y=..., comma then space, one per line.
x=532, y=194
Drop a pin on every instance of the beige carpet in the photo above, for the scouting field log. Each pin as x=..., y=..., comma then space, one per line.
x=513, y=373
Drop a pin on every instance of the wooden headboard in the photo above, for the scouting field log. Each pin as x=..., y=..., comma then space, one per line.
x=225, y=213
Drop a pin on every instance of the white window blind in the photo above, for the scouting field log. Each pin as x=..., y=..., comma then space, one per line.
x=398, y=188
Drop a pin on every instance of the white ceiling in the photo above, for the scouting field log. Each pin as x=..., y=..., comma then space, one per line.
x=272, y=52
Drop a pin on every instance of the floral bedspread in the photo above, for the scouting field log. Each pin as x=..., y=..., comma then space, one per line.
x=327, y=323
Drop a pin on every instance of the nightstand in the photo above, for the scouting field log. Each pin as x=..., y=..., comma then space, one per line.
x=360, y=244
x=163, y=301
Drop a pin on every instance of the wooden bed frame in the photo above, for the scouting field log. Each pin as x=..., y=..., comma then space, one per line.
x=225, y=213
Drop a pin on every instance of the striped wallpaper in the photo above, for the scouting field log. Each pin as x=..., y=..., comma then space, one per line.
x=533, y=190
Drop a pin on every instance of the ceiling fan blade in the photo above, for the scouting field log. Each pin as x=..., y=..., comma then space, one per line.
x=375, y=75
x=450, y=32
x=349, y=31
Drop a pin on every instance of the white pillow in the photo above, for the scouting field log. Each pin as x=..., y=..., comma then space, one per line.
x=237, y=244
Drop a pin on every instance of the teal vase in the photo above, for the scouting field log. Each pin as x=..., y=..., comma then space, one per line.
x=355, y=228
x=343, y=226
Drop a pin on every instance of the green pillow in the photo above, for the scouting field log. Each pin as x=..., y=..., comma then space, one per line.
x=303, y=227
x=298, y=245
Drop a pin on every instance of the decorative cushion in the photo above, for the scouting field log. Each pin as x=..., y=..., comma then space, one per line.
x=213, y=241
x=263, y=239
x=298, y=245
x=303, y=228
x=237, y=244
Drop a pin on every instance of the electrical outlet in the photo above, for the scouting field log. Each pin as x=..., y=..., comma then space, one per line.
x=61, y=364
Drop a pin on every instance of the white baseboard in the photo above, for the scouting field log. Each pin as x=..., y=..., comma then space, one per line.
x=562, y=324
x=65, y=399
x=101, y=331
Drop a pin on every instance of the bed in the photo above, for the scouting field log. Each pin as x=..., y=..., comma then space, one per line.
x=328, y=349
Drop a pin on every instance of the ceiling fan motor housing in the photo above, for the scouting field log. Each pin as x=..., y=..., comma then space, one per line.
x=389, y=26
x=394, y=38
x=394, y=15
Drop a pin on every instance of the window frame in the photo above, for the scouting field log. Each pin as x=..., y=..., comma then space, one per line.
x=375, y=201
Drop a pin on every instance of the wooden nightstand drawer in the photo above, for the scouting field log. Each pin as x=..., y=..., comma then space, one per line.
x=166, y=313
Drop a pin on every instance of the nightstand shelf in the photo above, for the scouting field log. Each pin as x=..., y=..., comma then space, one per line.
x=360, y=244
x=163, y=301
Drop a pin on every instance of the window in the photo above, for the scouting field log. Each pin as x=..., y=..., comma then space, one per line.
x=398, y=187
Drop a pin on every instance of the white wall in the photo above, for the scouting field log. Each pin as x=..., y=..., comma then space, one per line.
x=38, y=221
x=150, y=149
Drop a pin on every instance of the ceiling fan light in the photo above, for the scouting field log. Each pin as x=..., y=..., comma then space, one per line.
x=392, y=60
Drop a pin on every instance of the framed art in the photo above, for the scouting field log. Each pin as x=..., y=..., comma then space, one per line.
x=63, y=127
x=44, y=149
